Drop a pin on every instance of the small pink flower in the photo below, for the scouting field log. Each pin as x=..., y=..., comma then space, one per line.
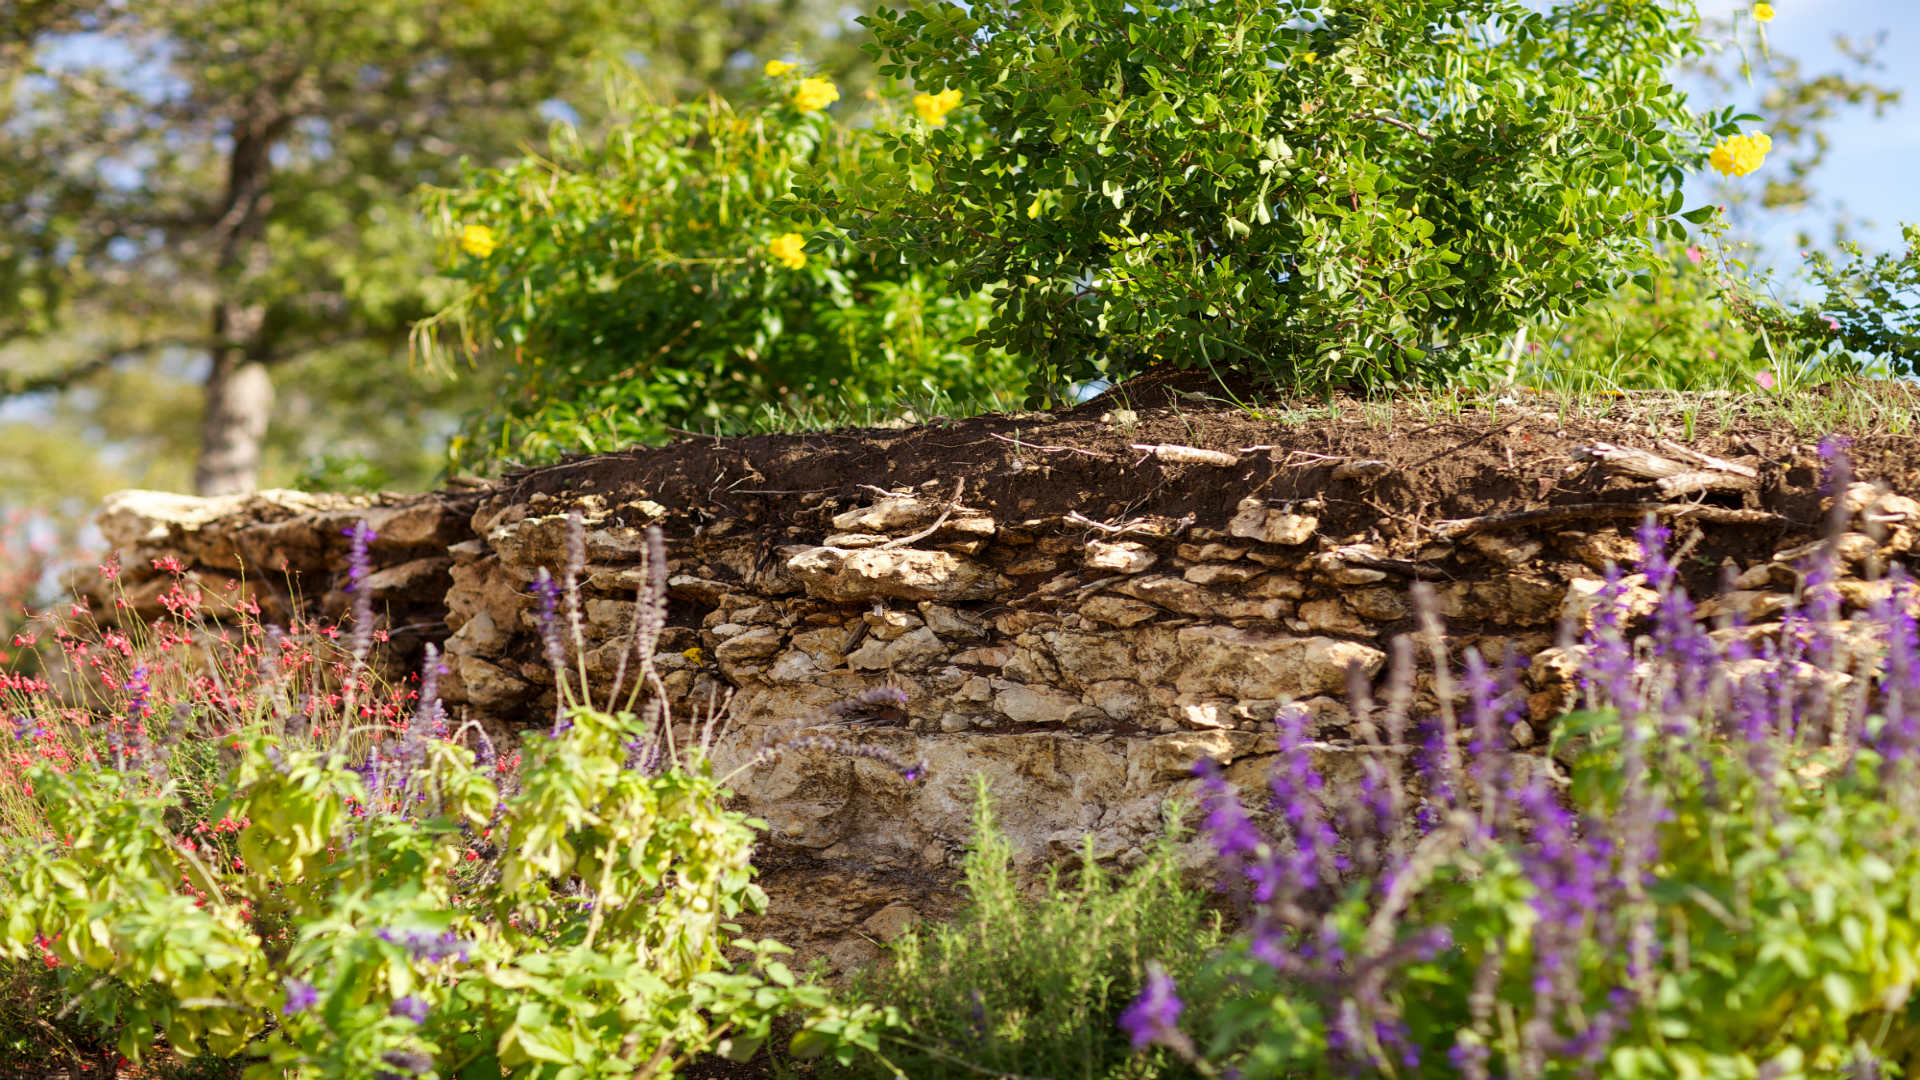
x=1765, y=379
x=1694, y=255
x=1833, y=324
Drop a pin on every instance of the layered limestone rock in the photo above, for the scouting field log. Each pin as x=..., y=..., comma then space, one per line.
x=1081, y=666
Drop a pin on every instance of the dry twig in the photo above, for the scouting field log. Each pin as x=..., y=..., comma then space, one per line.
x=953, y=504
x=1187, y=455
x=1672, y=477
x=1558, y=515
x=1140, y=526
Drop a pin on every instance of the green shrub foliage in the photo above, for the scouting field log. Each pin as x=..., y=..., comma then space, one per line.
x=589, y=945
x=321, y=886
x=643, y=281
x=1330, y=191
x=1670, y=328
x=1868, y=306
x=1032, y=984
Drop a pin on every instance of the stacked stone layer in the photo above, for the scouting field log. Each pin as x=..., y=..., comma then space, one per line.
x=1082, y=666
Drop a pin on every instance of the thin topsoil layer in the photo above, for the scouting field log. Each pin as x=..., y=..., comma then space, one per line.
x=1512, y=457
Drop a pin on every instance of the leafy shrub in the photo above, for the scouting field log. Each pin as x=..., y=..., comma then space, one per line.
x=1726, y=882
x=1868, y=307
x=644, y=281
x=322, y=892
x=1032, y=985
x=1330, y=192
x=1670, y=328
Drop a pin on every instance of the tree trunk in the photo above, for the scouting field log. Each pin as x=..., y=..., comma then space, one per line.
x=239, y=390
x=239, y=402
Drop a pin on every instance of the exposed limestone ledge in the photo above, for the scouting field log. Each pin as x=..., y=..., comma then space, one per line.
x=1082, y=669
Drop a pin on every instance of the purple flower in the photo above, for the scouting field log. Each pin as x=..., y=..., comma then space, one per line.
x=408, y=1063
x=548, y=590
x=1154, y=1017
x=301, y=996
x=139, y=694
x=1397, y=1039
x=359, y=561
x=1676, y=633
x=432, y=713
x=426, y=945
x=411, y=1009
x=1239, y=845
x=1297, y=788
x=1608, y=669
x=1469, y=1059
x=359, y=565
x=877, y=697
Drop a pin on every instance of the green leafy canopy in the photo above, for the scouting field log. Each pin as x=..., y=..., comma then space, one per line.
x=632, y=283
x=1331, y=192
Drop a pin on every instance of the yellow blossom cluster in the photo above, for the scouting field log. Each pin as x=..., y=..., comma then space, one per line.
x=814, y=94
x=777, y=68
x=933, y=108
x=1763, y=13
x=477, y=241
x=1738, y=155
x=789, y=250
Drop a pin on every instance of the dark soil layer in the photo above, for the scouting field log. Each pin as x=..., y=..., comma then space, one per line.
x=1446, y=462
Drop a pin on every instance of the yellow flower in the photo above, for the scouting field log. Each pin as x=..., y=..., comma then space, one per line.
x=1310, y=56
x=477, y=241
x=1763, y=13
x=789, y=249
x=814, y=94
x=777, y=68
x=1033, y=208
x=1738, y=155
x=933, y=108
x=694, y=655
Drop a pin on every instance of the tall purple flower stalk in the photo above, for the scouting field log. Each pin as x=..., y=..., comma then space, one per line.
x=1298, y=792
x=548, y=592
x=360, y=537
x=1154, y=1019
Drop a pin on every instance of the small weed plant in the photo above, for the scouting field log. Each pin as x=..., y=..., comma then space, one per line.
x=1716, y=874
x=319, y=884
x=1031, y=984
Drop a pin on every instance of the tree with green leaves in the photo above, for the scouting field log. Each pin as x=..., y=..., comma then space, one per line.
x=641, y=282
x=227, y=186
x=1332, y=193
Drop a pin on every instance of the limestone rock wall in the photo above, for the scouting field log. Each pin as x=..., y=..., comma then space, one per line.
x=1082, y=664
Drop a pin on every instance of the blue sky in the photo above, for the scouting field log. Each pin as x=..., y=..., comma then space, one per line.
x=1873, y=169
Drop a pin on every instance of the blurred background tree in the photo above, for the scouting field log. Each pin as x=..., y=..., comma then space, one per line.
x=221, y=192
